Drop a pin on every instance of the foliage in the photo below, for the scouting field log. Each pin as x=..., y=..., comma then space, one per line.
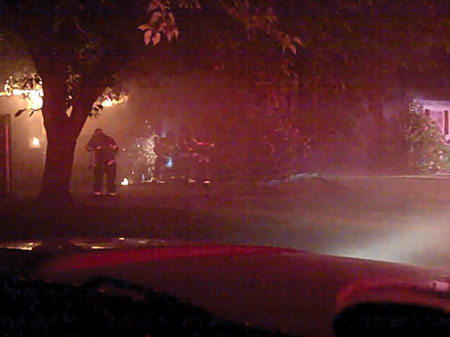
x=90, y=42
x=366, y=50
x=15, y=59
x=364, y=47
x=256, y=16
x=429, y=151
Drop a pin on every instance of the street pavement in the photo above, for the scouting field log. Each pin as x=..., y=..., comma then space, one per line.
x=398, y=219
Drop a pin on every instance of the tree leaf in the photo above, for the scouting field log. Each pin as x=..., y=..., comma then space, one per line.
x=147, y=36
x=156, y=38
x=171, y=18
x=152, y=6
x=298, y=41
x=144, y=27
x=155, y=17
x=19, y=112
x=293, y=49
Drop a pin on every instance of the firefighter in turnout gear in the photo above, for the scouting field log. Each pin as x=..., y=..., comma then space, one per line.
x=105, y=161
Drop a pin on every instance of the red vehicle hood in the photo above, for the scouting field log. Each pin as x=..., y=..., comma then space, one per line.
x=292, y=291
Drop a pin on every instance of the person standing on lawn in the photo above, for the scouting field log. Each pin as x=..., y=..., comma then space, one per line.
x=105, y=149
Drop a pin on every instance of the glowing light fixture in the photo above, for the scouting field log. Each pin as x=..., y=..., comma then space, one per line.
x=124, y=182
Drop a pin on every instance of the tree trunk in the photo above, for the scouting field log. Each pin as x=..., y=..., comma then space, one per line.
x=62, y=133
x=58, y=165
x=53, y=56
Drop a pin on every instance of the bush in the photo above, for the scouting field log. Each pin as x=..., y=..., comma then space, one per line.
x=428, y=150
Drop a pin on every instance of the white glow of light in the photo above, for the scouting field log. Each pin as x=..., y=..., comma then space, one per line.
x=35, y=142
x=98, y=247
x=20, y=245
x=404, y=245
x=109, y=102
x=33, y=96
x=35, y=99
x=124, y=182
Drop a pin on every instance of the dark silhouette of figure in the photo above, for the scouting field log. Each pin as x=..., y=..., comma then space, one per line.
x=105, y=161
x=164, y=149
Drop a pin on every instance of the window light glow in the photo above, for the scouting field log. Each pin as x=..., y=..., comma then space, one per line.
x=35, y=143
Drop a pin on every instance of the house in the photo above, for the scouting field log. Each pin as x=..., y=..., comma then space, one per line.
x=438, y=111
